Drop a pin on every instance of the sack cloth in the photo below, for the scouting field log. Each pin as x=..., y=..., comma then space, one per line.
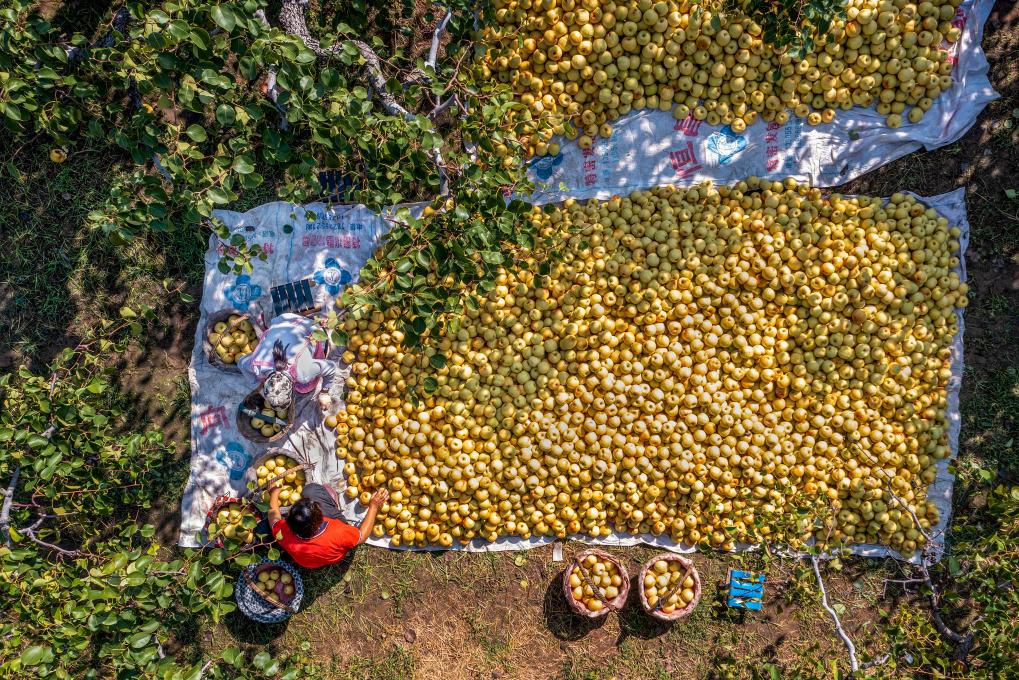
x=650, y=148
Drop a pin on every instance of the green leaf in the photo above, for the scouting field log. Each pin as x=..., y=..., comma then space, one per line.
x=128, y=313
x=217, y=195
x=262, y=660
x=233, y=656
x=437, y=361
x=491, y=257
x=37, y=654
x=225, y=114
x=224, y=17
x=1011, y=193
x=243, y=165
x=197, y=133
x=404, y=266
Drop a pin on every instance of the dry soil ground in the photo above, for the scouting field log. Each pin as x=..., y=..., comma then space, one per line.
x=451, y=615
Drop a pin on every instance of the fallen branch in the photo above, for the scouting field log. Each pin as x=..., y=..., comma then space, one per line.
x=963, y=643
x=854, y=664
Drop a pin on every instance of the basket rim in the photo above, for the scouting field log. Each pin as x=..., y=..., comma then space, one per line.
x=210, y=352
x=616, y=603
x=686, y=609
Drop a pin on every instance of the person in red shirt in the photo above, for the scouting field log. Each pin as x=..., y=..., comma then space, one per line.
x=313, y=534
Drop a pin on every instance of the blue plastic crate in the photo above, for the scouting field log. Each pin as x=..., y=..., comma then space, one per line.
x=746, y=590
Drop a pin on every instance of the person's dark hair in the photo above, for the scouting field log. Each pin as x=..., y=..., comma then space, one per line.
x=305, y=518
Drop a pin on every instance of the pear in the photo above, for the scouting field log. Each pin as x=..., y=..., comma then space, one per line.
x=268, y=431
x=219, y=327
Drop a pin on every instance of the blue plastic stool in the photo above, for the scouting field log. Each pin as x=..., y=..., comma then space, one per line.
x=746, y=590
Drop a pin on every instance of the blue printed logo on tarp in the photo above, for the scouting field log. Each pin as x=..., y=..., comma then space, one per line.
x=243, y=292
x=725, y=145
x=234, y=458
x=545, y=166
x=332, y=276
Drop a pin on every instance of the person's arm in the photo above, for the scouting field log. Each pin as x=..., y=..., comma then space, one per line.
x=380, y=497
x=327, y=370
x=274, y=505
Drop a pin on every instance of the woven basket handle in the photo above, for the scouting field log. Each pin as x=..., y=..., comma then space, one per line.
x=270, y=480
x=596, y=589
x=675, y=589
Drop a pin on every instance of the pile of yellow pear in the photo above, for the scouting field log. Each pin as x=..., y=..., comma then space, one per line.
x=588, y=62
x=713, y=364
x=233, y=339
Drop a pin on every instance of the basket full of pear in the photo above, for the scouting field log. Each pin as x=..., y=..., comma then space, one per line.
x=260, y=422
x=231, y=518
x=229, y=336
x=277, y=465
x=270, y=591
x=595, y=584
x=670, y=587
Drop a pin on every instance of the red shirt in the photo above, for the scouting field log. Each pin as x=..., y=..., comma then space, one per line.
x=328, y=546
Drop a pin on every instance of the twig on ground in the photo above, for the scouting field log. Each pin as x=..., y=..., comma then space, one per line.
x=62, y=552
x=854, y=664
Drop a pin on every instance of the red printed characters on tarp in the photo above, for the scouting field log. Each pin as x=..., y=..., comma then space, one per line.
x=689, y=126
x=331, y=241
x=211, y=417
x=684, y=161
x=590, y=167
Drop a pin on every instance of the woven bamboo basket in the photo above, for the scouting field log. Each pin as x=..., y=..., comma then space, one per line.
x=255, y=401
x=656, y=610
x=272, y=607
x=210, y=351
x=610, y=605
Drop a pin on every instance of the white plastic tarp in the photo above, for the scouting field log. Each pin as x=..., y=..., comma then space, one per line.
x=650, y=148
x=331, y=244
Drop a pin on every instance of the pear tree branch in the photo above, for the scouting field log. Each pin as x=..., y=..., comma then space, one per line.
x=292, y=19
